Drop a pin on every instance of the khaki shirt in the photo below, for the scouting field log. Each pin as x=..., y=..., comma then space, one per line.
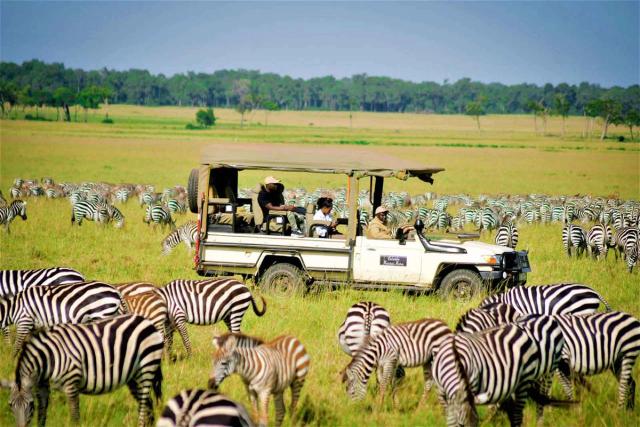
x=377, y=230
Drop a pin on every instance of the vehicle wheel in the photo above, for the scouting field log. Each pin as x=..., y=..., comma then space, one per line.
x=192, y=190
x=460, y=284
x=284, y=279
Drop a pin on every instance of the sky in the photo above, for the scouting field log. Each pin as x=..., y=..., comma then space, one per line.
x=507, y=42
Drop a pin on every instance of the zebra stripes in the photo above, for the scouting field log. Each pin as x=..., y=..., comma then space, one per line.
x=487, y=317
x=598, y=342
x=159, y=215
x=93, y=211
x=598, y=239
x=560, y=298
x=203, y=408
x=573, y=236
x=364, y=320
x=187, y=233
x=95, y=358
x=266, y=368
x=44, y=306
x=507, y=235
x=151, y=306
x=14, y=281
x=205, y=302
x=15, y=209
x=408, y=345
x=494, y=366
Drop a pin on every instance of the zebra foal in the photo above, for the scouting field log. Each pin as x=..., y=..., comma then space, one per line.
x=187, y=233
x=266, y=369
x=95, y=358
x=408, y=345
x=203, y=408
x=8, y=213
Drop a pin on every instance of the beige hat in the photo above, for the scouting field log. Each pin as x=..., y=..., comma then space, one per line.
x=381, y=209
x=271, y=180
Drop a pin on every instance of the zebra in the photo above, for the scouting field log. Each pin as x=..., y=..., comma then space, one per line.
x=574, y=236
x=500, y=365
x=176, y=206
x=507, y=235
x=598, y=240
x=631, y=251
x=95, y=358
x=487, y=317
x=486, y=219
x=558, y=298
x=135, y=288
x=151, y=306
x=266, y=369
x=45, y=306
x=122, y=195
x=598, y=342
x=408, y=345
x=159, y=215
x=203, y=408
x=622, y=236
x=15, y=209
x=205, y=302
x=364, y=320
x=14, y=281
x=93, y=211
x=115, y=215
x=187, y=233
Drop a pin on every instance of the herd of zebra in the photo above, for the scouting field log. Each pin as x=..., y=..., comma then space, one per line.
x=90, y=337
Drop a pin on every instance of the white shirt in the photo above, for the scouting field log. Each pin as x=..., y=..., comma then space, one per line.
x=319, y=216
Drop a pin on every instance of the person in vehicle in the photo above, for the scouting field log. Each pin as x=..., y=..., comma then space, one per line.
x=377, y=228
x=270, y=198
x=325, y=205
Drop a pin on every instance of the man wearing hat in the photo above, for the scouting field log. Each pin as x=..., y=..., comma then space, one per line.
x=270, y=198
x=377, y=228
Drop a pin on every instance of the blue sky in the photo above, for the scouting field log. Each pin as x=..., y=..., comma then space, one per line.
x=508, y=42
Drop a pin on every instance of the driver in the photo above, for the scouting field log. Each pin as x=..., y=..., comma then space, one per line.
x=377, y=228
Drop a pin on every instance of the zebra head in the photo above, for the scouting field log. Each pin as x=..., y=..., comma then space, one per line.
x=355, y=377
x=21, y=402
x=226, y=355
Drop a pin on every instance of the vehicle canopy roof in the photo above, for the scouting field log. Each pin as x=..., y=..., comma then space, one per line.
x=349, y=160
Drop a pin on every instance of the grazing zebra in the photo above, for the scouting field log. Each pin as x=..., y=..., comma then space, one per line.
x=8, y=213
x=574, y=236
x=622, y=236
x=266, y=369
x=45, y=306
x=559, y=298
x=507, y=235
x=115, y=215
x=151, y=306
x=598, y=342
x=499, y=365
x=408, y=345
x=93, y=211
x=159, y=215
x=203, y=408
x=487, y=317
x=95, y=358
x=176, y=206
x=14, y=281
x=205, y=302
x=598, y=240
x=187, y=233
x=364, y=320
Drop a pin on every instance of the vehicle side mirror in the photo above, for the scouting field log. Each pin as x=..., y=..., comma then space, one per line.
x=401, y=237
x=419, y=226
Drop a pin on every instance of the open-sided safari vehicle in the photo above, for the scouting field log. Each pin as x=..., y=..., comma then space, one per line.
x=237, y=240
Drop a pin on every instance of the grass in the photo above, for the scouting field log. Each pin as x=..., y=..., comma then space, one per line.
x=150, y=145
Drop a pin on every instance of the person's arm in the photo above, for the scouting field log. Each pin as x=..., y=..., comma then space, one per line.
x=284, y=208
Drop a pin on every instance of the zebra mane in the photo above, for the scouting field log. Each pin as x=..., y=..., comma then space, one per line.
x=241, y=340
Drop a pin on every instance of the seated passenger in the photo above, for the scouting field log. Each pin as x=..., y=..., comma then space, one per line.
x=377, y=228
x=270, y=198
x=325, y=205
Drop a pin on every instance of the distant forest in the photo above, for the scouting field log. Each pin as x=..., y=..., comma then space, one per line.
x=230, y=88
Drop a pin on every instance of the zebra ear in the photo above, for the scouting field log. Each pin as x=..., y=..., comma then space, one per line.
x=481, y=398
x=217, y=342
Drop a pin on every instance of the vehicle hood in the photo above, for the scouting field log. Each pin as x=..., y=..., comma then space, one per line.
x=475, y=247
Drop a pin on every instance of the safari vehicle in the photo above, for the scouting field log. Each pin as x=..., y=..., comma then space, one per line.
x=237, y=239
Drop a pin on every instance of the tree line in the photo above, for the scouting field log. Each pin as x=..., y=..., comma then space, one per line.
x=34, y=83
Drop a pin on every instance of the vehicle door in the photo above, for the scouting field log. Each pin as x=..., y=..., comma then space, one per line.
x=379, y=260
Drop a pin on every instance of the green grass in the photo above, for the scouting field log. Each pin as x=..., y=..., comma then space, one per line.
x=151, y=146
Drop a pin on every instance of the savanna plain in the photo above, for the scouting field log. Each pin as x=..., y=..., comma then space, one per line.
x=151, y=145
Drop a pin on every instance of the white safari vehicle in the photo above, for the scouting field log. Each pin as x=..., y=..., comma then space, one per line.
x=236, y=238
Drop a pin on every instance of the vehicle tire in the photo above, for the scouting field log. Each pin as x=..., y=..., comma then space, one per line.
x=460, y=284
x=284, y=279
x=192, y=190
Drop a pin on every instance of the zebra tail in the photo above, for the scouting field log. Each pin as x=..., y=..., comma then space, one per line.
x=255, y=307
x=157, y=383
x=607, y=307
x=124, y=307
x=541, y=399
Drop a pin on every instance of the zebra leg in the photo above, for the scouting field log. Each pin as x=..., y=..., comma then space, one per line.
x=564, y=373
x=428, y=382
x=73, y=398
x=169, y=330
x=515, y=406
x=388, y=370
x=263, y=403
x=253, y=397
x=43, y=403
x=234, y=320
x=182, y=329
x=544, y=387
x=5, y=336
x=278, y=400
x=626, y=385
x=296, y=387
x=141, y=391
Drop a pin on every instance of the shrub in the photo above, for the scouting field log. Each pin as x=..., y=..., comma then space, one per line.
x=107, y=120
x=205, y=118
x=191, y=126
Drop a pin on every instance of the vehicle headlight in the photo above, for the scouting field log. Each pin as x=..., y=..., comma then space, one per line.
x=491, y=259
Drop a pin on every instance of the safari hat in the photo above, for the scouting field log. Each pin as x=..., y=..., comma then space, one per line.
x=381, y=209
x=271, y=180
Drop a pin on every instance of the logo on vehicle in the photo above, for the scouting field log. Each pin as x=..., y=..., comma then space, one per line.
x=393, y=260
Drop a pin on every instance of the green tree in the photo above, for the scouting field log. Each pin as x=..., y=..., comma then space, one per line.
x=64, y=97
x=91, y=98
x=26, y=98
x=475, y=109
x=8, y=96
x=561, y=108
x=630, y=118
x=268, y=107
x=608, y=110
x=205, y=118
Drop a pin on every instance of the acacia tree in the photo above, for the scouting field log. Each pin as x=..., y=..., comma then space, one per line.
x=63, y=97
x=91, y=98
x=8, y=96
x=206, y=118
x=608, y=110
x=561, y=108
x=631, y=118
x=535, y=107
x=475, y=109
